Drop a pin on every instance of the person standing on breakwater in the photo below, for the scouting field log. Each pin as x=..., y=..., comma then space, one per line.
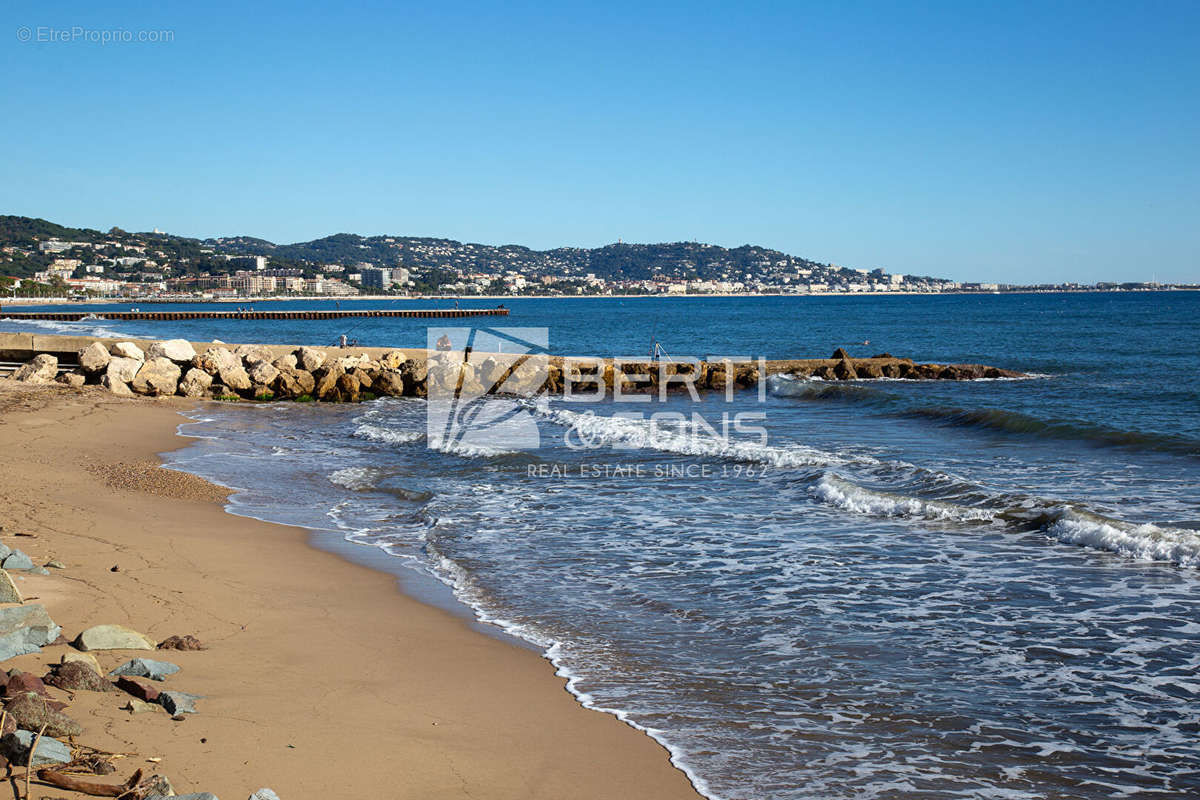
x=443, y=343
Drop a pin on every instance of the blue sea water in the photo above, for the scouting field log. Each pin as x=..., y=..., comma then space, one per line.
x=909, y=589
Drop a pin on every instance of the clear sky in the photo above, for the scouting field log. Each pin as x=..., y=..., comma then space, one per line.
x=1018, y=142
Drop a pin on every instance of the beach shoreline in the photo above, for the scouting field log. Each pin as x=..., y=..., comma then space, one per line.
x=320, y=677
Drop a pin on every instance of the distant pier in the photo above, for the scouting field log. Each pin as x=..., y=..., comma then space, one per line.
x=167, y=316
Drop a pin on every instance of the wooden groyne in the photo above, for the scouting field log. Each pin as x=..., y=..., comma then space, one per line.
x=167, y=316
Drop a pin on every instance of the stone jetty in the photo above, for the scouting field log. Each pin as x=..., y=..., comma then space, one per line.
x=272, y=372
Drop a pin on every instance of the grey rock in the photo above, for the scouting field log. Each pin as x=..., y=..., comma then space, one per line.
x=123, y=369
x=177, y=350
x=41, y=369
x=17, y=560
x=25, y=629
x=16, y=746
x=145, y=668
x=38, y=571
x=179, y=702
x=127, y=350
x=9, y=593
x=94, y=358
x=264, y=794
x=158, y=376
x=113, y=637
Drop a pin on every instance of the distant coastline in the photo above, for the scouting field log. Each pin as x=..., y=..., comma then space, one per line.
x=388, y=298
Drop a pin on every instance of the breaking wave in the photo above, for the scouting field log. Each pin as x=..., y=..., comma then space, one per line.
x=1061, y=521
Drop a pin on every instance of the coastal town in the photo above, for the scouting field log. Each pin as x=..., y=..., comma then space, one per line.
x=39, y=259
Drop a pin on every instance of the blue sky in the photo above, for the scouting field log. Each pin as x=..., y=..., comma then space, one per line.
x=1020, y=142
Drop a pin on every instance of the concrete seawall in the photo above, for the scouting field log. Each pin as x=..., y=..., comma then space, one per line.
x=277, y=372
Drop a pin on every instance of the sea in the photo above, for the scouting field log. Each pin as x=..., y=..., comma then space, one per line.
x=869, y=589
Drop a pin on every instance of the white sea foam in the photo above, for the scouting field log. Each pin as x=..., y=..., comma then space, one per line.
x=593, y=431
x=85, y=327
x=379, y=433
x=468, y=449
x=1144, y=542
x=843, y=494
x=356, y=478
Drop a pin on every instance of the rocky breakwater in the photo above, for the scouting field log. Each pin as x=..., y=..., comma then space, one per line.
x=842, y=367
x=257, y=372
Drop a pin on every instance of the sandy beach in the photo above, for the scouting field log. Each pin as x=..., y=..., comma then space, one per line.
x=320, y=678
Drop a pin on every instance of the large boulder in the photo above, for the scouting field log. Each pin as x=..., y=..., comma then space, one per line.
x=31, y=712
x=214, y=359
x=392, y=359
x=158, y=376
x=40, y=369
x=389, y=383
x=127, y=350
x=262, y=372
x=294, y=383
x=326, y=387
x=178, y=350
x=844, y=370
x=118, y=387
x=348, y=387
x=839, y=354
x=94, y=358
x=310, y=360
x=123, y=369
x=285, y=361
x=348, y=363
x=236, y=378
x=113, y=637
x=25, y=629
x=253, y=354
x=196, y=383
